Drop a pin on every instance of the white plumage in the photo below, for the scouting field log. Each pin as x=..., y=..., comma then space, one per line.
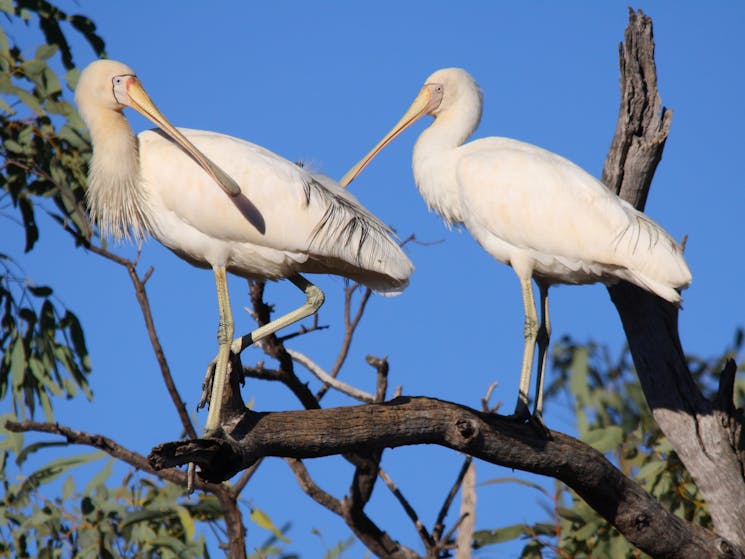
x=223, y=203
x=531, y=209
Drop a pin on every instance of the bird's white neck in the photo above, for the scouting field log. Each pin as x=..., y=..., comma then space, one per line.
x=116, y=197
x=436, y=151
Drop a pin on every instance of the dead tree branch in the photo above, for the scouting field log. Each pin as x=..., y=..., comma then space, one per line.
x=406, y=421
x=705, y=438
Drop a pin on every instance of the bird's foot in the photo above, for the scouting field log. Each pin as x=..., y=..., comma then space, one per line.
x=535, y=420
x=521, y=413
x=207, y=385
x=234, y=363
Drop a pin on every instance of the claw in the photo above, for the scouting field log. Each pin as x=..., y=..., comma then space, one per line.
x=522, y=415
x=207, y=386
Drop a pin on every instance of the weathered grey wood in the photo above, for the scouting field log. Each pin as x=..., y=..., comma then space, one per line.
x=705, y=438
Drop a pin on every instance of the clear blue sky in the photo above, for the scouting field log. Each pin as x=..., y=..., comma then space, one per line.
x=321, y=82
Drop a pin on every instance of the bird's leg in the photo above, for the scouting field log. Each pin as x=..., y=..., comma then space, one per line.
x=544, y=335
x=314, y=298
x=224, y=336
x=530, y=332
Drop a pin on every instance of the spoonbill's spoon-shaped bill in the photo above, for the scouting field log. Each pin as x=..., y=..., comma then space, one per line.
x=129, y=92
x=428, y=100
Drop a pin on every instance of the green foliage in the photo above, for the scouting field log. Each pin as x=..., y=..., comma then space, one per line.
x=613, y=417
x=43, y=143
x=43, y=348
x=44, y=150
x=135, y=519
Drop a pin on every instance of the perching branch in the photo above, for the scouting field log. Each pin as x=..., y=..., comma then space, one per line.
x=405, y=421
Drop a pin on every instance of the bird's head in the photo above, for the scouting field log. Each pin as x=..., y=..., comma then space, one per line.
x=101, y=85
x=443, y=90
x=451, y=86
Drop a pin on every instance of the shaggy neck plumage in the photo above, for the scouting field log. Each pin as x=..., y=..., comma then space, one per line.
x=116, y=199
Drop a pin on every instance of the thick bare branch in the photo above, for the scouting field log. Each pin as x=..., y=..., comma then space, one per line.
x=406, y=421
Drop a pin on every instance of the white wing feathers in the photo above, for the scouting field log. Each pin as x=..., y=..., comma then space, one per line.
x=526, y=204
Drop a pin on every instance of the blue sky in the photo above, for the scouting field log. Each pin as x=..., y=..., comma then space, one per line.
x=321, y=82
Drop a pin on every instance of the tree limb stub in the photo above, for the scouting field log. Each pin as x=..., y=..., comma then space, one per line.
x=406, y=421
x=702, y=435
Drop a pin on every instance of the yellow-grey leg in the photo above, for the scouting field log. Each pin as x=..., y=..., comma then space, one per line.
x=313, y=300
x=544, y=336
x=224, y=337
x=530, y=332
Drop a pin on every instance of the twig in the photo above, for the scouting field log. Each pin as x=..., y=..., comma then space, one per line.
x=426, y=538
x=485, y=400
x=142, y=299
x=325, y=378
x=302, y=330
x=246, y=476
x=440, y=522
x=311, y=489
x=381, y=385
x=412, y=239
x=110, y=447
x=350, y=325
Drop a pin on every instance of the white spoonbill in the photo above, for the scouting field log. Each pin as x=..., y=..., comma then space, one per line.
x=530, y=209
x=221, y=202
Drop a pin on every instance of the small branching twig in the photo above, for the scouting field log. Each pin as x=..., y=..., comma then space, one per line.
x=381, y=385
x=350, y=325
x=427, y=539
x=485, y=407
x=412, y=239
x=110, y=447
x=302, y=330
x=144, y=302
x=310, y=488
x=327, y=379
x=440, y=522
x=246, y=476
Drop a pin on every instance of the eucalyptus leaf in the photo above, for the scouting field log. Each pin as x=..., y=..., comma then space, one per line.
x=605, y=439
x=499, y=535
x=260, y=518
x=44, y=52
